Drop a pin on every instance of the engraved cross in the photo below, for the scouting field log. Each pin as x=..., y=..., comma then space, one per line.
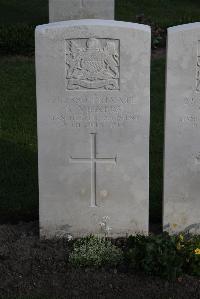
x=93, y=160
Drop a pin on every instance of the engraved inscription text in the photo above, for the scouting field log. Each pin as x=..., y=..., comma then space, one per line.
x=97, y=112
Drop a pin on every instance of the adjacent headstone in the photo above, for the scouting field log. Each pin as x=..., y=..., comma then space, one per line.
x=182, y=133
x=93, y=127
x=63, y=10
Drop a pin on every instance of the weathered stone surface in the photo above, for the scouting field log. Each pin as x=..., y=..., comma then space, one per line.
x=182, y=133
x=93, y=127
x=63, y=10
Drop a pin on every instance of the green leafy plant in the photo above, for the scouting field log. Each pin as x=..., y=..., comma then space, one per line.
x=163, y=255
x=155, y=255
x=95, y=252
x=190, y=250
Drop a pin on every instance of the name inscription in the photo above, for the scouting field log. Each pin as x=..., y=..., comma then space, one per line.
x=97, y=112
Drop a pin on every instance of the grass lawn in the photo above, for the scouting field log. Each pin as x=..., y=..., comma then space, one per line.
x=157, y=138
x=30, y=297
x=162, y=12
x=23, y=11
x=18, y=148
x=18, y=139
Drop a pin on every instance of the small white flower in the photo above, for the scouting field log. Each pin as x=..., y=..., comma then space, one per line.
x=102, y=224
x=105, y=218
x=69, y=237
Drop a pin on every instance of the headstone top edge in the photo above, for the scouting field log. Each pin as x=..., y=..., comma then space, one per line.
x=94, y=22
x=184, y=27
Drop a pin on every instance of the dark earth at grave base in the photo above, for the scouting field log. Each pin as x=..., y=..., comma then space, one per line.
x=33, y=267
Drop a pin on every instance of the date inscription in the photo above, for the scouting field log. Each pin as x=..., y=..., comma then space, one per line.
x=97, y=112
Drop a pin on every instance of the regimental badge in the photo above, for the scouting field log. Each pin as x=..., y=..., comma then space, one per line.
x=92, y=64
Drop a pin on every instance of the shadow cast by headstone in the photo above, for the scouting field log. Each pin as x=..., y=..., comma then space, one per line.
x=18, y=182
x=156, y=143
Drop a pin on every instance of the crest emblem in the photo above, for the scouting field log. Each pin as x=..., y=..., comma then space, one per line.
x=92, y=64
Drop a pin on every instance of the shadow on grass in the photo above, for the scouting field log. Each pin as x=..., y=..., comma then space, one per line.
x=19, y=183
x=157, y=142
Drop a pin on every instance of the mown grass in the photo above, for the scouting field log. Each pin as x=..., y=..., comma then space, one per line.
x=18, y=139
x=162, y=12
x=157, y=138
x=23, y=11
x=30, y=297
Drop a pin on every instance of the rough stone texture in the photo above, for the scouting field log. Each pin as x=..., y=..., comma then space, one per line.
x=63, y=10
x=182, y=133
x=93, y=127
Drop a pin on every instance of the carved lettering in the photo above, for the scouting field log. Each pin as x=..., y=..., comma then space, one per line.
x=96, y=112
x=191, y=120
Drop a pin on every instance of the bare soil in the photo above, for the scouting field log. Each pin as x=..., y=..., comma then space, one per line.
x=33, y=267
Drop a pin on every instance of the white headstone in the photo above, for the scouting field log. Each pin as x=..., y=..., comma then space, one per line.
x=93, y=127
x=63, y=10
x=182, y=132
